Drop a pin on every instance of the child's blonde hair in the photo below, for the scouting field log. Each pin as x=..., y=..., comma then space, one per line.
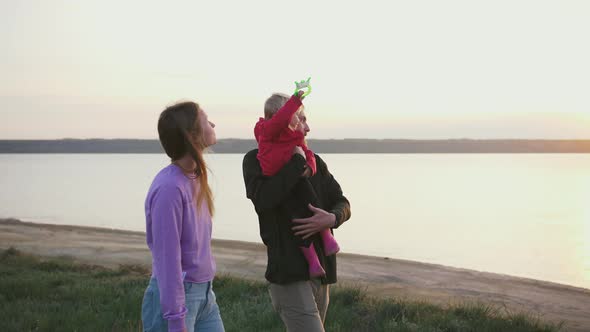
x=274, y=103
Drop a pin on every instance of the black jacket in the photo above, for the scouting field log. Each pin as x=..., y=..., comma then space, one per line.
x=286, y=263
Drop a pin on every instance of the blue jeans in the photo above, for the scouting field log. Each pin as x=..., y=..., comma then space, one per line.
x=203, y=312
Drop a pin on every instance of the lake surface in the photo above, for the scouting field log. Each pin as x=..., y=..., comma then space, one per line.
x=519, y=214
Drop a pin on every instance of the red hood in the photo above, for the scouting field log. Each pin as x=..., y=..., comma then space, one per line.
x=258, y=129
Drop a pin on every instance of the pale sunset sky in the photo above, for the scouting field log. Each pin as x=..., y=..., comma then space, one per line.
x=421, y=69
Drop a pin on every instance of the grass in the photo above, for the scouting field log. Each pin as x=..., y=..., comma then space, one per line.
x=61, y=295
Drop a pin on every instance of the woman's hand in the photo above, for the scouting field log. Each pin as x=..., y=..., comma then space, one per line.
x=320, y=220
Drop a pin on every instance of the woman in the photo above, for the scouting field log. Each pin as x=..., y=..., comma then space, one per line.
x=178, y=210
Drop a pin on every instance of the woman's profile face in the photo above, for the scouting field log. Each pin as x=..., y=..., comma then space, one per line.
x=207, y=126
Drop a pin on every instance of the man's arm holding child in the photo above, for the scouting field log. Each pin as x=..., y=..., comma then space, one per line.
x=337, y=208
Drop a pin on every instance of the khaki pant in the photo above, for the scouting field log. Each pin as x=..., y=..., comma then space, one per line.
x=302, y=305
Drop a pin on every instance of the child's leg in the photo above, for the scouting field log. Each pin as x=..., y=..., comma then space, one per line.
x=315, y=268
x=305, y=193
x=301, y=196
x=297, y=206
x=331, y=247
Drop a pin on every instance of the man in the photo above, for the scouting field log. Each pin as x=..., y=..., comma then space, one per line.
x=300, y=301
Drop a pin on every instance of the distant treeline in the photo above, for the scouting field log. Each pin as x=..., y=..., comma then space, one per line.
x=321, y=146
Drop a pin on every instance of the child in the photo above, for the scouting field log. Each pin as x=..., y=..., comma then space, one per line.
x=277, y=134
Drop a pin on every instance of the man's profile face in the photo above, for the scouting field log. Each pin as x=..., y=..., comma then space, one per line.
x=303, y=122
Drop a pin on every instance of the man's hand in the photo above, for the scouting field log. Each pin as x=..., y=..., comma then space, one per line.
x=320, y=220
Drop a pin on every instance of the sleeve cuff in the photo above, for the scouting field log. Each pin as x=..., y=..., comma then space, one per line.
x=176, y=325
x=296, y=99
x=338, y=219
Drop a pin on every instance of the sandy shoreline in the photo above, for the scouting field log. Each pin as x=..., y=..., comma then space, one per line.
x=380, y=276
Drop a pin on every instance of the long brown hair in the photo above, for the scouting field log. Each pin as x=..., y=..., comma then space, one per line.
x=180, y=133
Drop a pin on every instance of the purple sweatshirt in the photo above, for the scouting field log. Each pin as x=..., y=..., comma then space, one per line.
x=179, y=236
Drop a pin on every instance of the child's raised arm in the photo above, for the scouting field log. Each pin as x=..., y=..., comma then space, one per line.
x=281, y=119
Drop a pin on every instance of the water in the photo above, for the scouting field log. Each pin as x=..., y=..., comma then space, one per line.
x=518, y=214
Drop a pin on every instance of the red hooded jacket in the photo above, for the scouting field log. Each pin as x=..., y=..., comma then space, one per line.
x=276, y=140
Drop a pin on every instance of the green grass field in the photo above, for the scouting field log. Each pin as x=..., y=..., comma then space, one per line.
x=61, y=295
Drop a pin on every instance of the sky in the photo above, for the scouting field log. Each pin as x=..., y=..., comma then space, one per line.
x=421, y=69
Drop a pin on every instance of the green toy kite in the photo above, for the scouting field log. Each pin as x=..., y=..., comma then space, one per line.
x=301, y=85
